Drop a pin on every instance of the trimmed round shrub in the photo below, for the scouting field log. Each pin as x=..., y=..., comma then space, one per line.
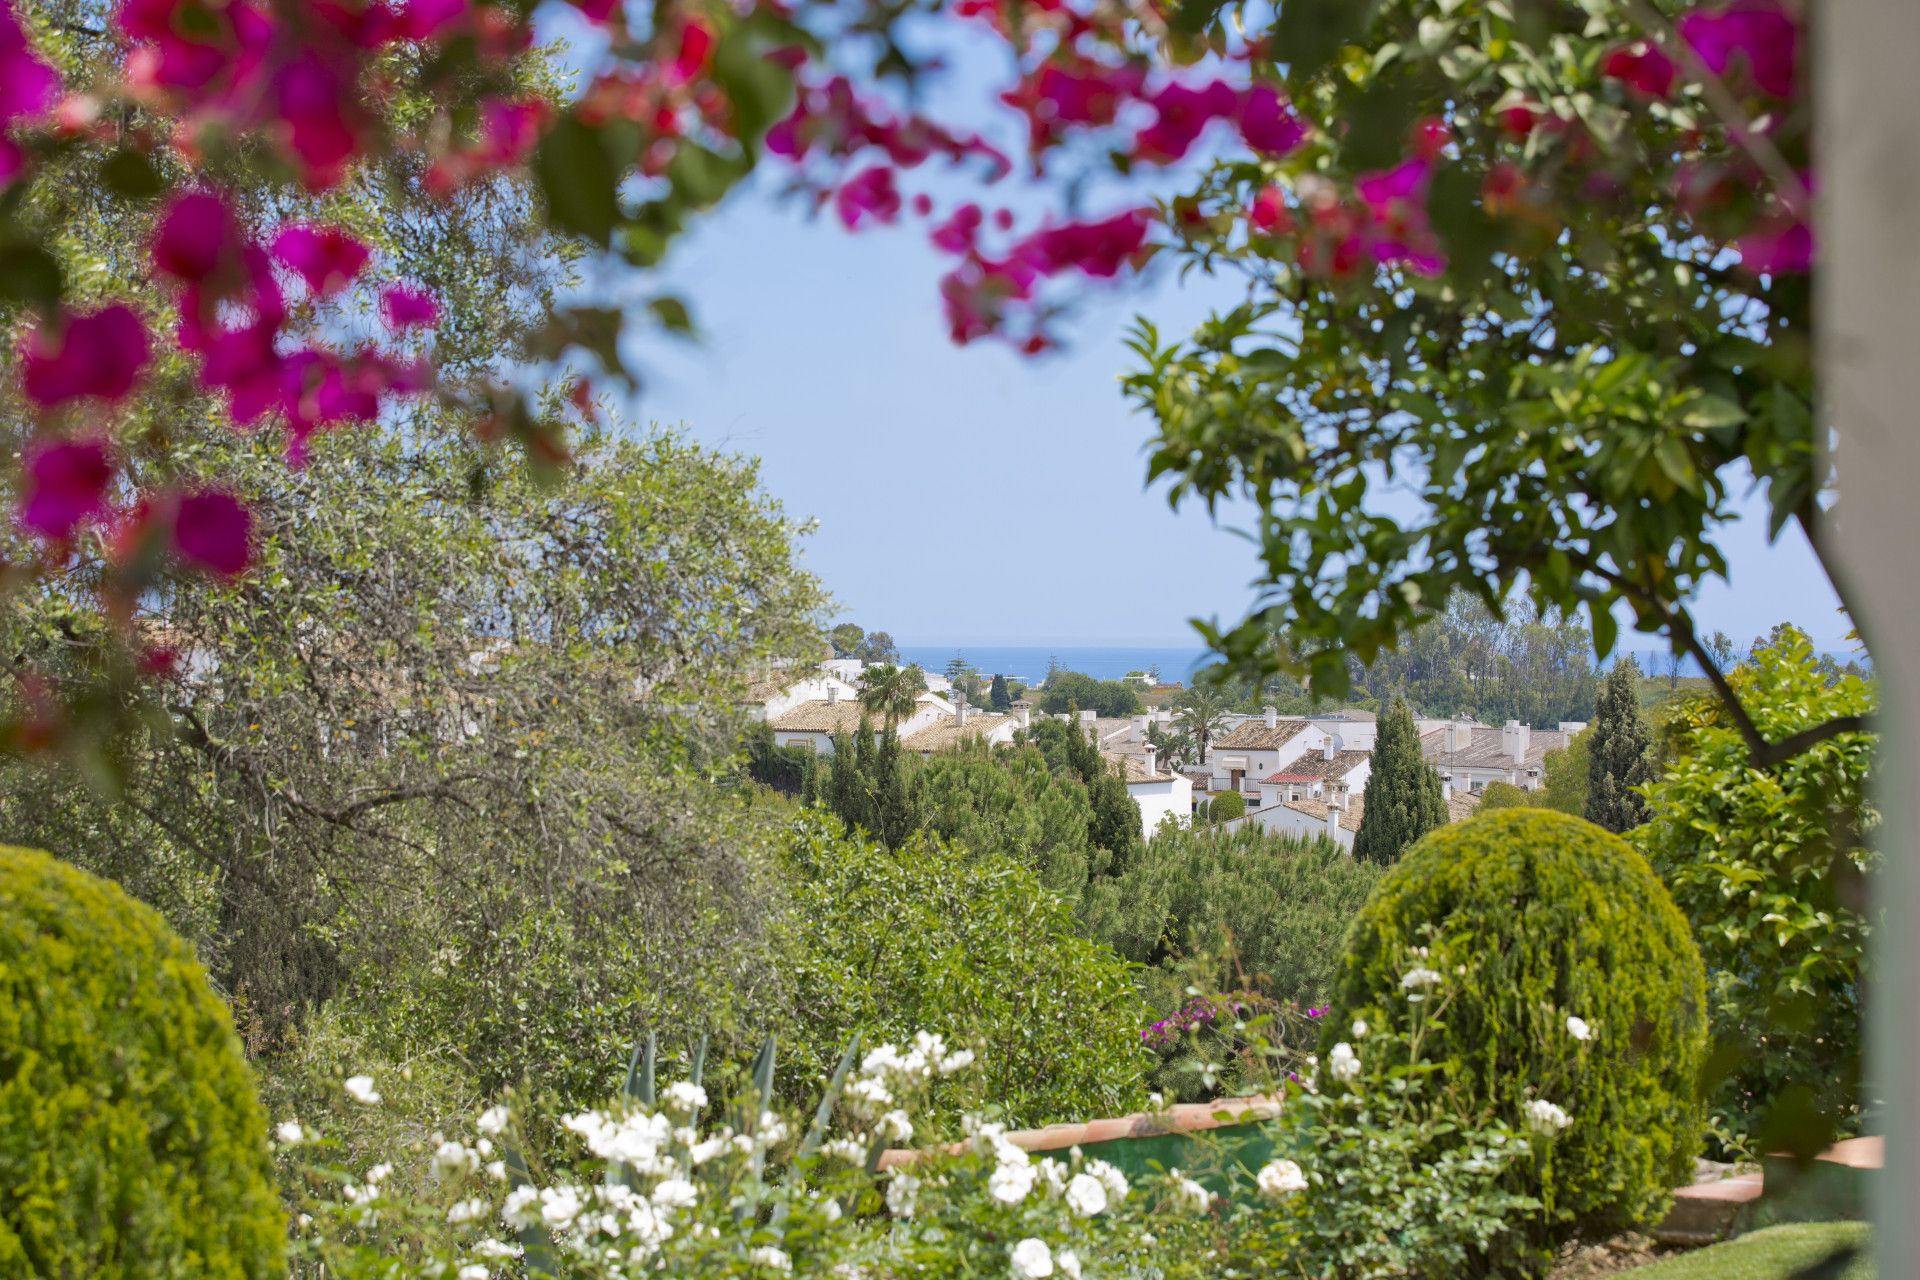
x=1538, y=960
x=132, y=1143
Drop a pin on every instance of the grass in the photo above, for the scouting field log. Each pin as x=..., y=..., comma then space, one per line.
x=1773, y=1253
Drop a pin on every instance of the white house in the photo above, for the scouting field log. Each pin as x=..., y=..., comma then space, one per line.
x=1470, y=755
x=1160, y=793
x=965, y=725
x=1258, y=747
x=814, y=723
x=1335, y=814
x=778, y=693
x=1334, y=769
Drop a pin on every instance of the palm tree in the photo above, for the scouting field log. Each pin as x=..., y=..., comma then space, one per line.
x=891, y=691
x=1202, y=713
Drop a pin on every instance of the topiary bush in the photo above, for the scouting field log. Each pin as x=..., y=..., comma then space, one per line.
x=131, y=1141
x=1537, y=960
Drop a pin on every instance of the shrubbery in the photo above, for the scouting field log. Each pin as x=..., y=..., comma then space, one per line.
x=886, y=942
x=131, y=1142
x=1282, y=903
x=1560, y=984
x=1771, y=867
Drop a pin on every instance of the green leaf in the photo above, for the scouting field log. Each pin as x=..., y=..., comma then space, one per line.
x=1708, y=411
x=129, y=173
x=29, y=274
x=578, y=181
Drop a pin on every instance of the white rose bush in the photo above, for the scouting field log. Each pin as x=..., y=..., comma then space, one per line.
x=667, y=1182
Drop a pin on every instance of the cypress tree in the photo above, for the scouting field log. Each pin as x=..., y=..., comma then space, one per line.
x=1618, y=752
x=1403, y=799
x=999, y=697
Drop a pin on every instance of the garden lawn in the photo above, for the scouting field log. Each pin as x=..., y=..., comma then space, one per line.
x=1774, y=1253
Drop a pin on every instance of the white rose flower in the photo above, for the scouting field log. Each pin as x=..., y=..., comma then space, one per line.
x=493, y=1121
x=471, y=1209
x=1032, y=1260
x=1360, y=1028
x=895, y=1126
x=1545, y=1118
x=1578, y=1028
x=773, y=1259
x=1188, y=1194
x=1343, y=1064
x=521, y=1209
x=1419, y=979
x=958, y=1060
x=1087, y=1195
x=451, y=1159
x=473, y=1271
x=496, y=1250
x=1111, y=1178
x=1010, y=1183
x=1069, y=1263
x=290, y=1133
x=497, y=1170
x=1280, y=1178
x=684, y=1097
x=675, y=1193
x=559, y=1206
x=902, y=1189
x=361, y=1090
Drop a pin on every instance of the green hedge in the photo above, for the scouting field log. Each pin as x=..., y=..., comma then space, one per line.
x=1529, y=917
x=131, y=1140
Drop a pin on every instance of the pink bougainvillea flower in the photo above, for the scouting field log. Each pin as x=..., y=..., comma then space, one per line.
x=28, y=86
x=1269, y=214
x=312, y=103
x=406, y=306
x=1268, y=124
x=425, y=19
x=98, y=354
x=598, y=10
x=66, y=483
x=1099, y=248
x=196, y=238
x=1519, y=119
x=184, y=44
x=211, y=530
x=871, y=193
x=1761, y=33
x=1779, y=245
x=1406, y=181
x=327, y=258
x=1182, y=115
x=1642, y=67
x=696, y=50
x=960, y=231
x=243, y=362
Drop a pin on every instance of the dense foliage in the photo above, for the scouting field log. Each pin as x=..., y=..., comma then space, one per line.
x=131, y=1140
x=1013, y=804
x=1404, y=799
x=969, y=941
x=1280, y=904
x=1774, y=870
x=1067, y=691
x=1619, y=752
x=1556, y=972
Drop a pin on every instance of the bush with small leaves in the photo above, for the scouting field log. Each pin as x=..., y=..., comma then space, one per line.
x=1563, y=991
x=131, y=1141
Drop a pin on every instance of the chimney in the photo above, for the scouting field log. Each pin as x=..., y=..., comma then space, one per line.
x=1446, y=786
x=1333, y=821
x=1150, y=758
x=960, y=711
x=1271, y=717
x=833, y=694
x=1458, y=736
x=1327, y=749
x=1513, y=741
x=1087, y=718
x=1137, y=730
x=1024, y=716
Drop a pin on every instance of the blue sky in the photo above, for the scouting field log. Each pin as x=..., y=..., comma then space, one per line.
x=971, y=495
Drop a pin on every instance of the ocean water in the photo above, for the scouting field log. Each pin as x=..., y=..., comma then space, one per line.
x=1028, y=663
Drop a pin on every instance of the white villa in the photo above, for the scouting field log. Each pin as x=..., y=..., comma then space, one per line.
x=1470, y=755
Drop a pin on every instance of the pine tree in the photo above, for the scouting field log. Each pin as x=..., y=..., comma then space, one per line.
x=1403, y=800
x=1618, y=753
